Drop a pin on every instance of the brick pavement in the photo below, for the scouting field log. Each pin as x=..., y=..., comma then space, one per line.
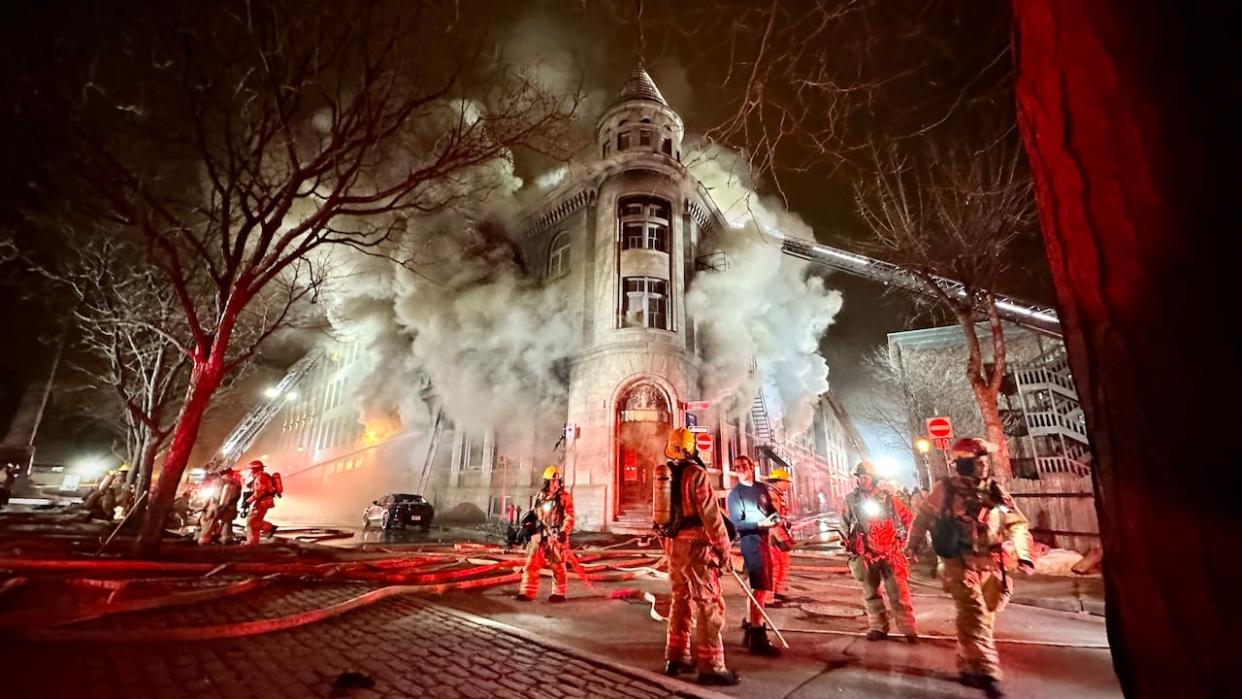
x=408, y=646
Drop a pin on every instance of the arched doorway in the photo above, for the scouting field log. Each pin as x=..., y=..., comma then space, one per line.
x=643, y=422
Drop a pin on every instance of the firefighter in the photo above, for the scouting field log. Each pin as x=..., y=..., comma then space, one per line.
x=264, y=489
x=782, y=536
x=221, y=509
x=875, y=528
x=554, y=510
x=752, y=509
x=970, y=517
x=696, y=543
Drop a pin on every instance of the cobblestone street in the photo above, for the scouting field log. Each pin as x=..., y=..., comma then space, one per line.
x=408, y=647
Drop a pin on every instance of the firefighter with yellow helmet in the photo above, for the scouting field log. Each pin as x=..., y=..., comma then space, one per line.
x=875, y=528
x=696, y=543
x=554, y=510
x=782, y=535
x=970, y=517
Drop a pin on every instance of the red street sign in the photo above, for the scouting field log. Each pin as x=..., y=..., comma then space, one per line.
x=695, y=405
x=703, y=441
x=942, y=443
x=939, y=428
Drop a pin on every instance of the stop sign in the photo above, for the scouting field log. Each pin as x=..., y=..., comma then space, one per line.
x=939, y=428
x=703, y=441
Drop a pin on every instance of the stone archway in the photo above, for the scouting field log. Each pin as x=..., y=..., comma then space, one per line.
x=643, y=420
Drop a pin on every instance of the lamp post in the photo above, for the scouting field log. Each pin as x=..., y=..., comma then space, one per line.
x=924, y=446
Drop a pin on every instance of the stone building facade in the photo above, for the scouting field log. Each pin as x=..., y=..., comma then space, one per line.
x=619, y=237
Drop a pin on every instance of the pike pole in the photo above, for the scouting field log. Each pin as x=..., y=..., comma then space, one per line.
x=751, y=596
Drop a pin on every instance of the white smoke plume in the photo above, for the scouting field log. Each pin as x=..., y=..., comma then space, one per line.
x=765, y=307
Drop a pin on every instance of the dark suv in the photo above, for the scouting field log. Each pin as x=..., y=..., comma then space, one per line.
x=399, y=509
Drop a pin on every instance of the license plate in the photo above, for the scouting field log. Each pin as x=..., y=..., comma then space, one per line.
x=415, y=518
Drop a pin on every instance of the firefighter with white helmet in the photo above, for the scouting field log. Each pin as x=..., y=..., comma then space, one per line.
x=264, y=489
x=782, y=536
x=554, y=513
x=875, y=529
x=970, y=517
x=696, y=542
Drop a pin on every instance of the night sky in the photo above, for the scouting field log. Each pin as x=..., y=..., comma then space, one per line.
x=601, y=42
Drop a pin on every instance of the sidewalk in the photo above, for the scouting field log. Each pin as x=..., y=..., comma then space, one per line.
x=406, y=646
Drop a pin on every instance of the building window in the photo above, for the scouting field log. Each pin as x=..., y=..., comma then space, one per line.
x=644, y=223
x=667, y=146
x=558, y=255
x=646, y=302
x=644, y=138
x=623, y=140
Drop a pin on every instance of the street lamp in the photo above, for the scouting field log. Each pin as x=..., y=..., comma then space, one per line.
x=924, y=446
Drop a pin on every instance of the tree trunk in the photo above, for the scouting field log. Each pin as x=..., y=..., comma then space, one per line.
x=147, y=464
x=987, y=394
x=204, y=380
x=1127, y=116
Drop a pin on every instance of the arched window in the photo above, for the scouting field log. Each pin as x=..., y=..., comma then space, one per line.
x=644, y=223
x=558, y=255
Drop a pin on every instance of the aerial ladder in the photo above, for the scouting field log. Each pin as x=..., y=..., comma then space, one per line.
x=1041, y=319
x=255, y=421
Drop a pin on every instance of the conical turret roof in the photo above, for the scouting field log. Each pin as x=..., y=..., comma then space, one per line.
x=640, y=86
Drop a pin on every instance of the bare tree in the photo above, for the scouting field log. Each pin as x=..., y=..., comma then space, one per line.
x=253, y=137
x=911, y=386
x=133, y=340
x=955, y=212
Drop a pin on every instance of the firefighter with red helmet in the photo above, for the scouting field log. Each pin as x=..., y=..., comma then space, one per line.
x=554, y=512
x=264, y=489
x=875, y=528
x=220, y=508
x=696, y=543
x=782, y=535
x=971, y=517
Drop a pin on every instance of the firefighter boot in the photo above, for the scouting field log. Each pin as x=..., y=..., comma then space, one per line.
x=719, y=678
x=674, y=668
x=556, y=597
x=759, y=644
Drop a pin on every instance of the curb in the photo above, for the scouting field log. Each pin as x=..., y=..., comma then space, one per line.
x=674, y=686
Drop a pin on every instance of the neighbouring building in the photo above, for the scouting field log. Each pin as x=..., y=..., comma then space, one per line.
x=1047, y=433
x=622, y=239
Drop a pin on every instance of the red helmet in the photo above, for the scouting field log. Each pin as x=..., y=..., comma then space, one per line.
x=256, y=465
x=973, y=446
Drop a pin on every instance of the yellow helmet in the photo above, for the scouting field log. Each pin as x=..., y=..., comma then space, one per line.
x=778, y=474
x=681, y=444
x=551, y=472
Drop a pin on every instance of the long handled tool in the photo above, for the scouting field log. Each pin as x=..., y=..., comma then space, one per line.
x=749, y=594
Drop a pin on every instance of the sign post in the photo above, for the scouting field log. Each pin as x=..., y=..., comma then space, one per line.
x=940, y=429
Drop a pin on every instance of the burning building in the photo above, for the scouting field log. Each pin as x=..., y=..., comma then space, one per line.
x=616, y=245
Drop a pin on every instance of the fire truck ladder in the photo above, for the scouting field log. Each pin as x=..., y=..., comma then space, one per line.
x=1038, y=318
x=432, y=449
x=255, y=421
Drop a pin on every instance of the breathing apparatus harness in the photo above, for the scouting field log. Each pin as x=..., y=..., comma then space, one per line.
x=678, y=520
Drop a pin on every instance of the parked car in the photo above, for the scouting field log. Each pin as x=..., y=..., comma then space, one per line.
x=399, y=509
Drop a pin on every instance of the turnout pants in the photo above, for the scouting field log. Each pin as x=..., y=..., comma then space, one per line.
x=216, y=521
x=895, y=581
x=780, y=570
x=538, y=555
x=978, y=593
x=698, y=603
x=256, y=525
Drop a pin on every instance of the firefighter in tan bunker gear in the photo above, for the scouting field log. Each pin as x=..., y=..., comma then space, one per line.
x=220, y=509
x=263, y=492
x=554, y=508
x=696, y=544
x=971, y=517
x=875, y=527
